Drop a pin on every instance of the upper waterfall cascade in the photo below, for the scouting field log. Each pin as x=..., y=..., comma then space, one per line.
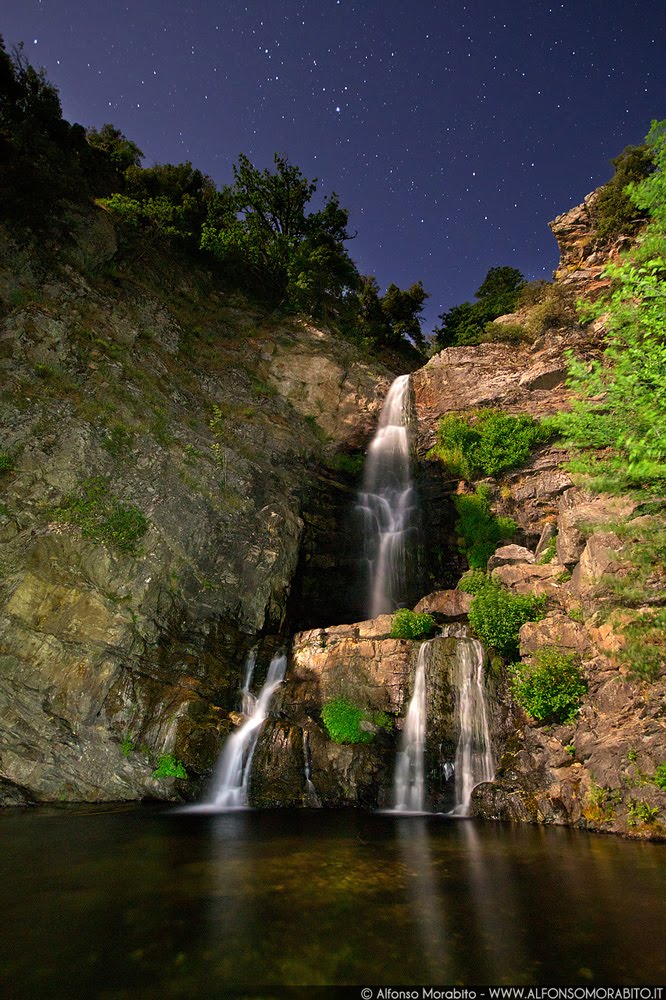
x=387, y=501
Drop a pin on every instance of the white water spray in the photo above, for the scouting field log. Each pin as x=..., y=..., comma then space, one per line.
x=409, y=783
x=387, y=501
x=474, y=757
x=232, y=777
x=311, y=799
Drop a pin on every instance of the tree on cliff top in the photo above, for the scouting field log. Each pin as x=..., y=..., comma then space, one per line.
x=464, y=324
x=259, y=227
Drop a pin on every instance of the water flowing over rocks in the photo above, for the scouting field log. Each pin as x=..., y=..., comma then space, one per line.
x=363, y=665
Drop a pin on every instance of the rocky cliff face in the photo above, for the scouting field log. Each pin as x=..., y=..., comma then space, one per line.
x=598, y=772
x=142, y=393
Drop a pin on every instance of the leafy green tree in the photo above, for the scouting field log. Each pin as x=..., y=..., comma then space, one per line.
x=43, y=159
x=464, y=325
x=259, y=227
x=615, y=212
x=402, y=308
x=500, y=290
x=620, y=401
x=122, y=152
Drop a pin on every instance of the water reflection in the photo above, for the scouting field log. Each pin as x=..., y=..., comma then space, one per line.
x=426, y=901
x=147, y=904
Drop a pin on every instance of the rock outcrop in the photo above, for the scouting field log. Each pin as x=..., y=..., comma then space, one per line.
x=128, y=394
x=596, y=772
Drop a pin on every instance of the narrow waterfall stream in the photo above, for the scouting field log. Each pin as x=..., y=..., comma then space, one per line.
x=387, y=501
x=409, y=784
x=474, y=756
x=232, y=777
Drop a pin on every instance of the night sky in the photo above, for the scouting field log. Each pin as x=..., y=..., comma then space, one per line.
x=452, y=132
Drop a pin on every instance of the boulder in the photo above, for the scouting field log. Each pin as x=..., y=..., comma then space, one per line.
x=528, y=578
x=510, y=555
x=578, y=513
x=554, y=630
x=451, y=605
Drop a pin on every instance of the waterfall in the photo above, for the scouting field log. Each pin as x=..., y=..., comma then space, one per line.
x=409, y=783
x=387, y=501
x=474, y=757
x=232, y=776
x=311, y=799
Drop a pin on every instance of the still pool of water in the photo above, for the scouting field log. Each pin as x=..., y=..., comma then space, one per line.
x=154, y=903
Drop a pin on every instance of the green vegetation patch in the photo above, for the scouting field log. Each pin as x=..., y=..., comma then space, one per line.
x=551, y=688
x=169, y=767
x=6, y=462
x=497, y=616
x=343, y=721
x=349, y=463
x=479, y=531
x=101, y=516
x=640, y=811
x=118, y=440
x=487, y=442
x=659, y=776
x=549, y=552
x=412, y=625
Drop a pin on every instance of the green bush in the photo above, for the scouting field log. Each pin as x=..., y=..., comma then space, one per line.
x=614, y=213
x=487, y=442
x=505, y=333
x=551, y=688
x=659, y=776
x=410, y=625
x=169, y=767
x=549, y=552
x=640, y=811
x=101, y=517
x=473, y=581
x=343, y=721
x=497, y=616
x=557, y=308
x=6, y=462
x=644, y=649
x=480, y=532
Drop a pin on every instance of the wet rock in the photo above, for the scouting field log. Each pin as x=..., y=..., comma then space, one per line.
x=113, y=658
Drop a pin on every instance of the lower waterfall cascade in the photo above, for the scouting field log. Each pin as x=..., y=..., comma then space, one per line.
x=474, y=761
x=409, y=784
x=231, y=782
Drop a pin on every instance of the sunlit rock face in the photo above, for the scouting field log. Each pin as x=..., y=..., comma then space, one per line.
x=111, y=658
